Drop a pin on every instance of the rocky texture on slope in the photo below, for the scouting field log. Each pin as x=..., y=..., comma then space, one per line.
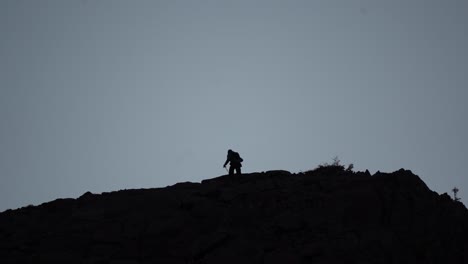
x=328, y=215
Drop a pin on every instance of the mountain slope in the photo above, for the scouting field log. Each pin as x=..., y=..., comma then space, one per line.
x=328, y=215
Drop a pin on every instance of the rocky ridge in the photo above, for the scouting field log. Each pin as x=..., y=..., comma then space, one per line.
x=328, y=215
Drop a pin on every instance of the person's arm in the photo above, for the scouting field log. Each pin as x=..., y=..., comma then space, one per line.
x=227, y=160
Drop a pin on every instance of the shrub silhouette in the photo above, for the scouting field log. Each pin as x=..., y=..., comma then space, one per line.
x=336, y=163
x=455, y=192
x=334, y=166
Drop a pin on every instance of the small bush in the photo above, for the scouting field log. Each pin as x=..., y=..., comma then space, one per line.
x=336, y=161
x=455, y=192
x=335, y=165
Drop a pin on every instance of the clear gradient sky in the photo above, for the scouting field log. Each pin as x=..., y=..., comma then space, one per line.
x=102, y=95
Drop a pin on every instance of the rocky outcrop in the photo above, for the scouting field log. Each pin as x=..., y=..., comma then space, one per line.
x=328, y=215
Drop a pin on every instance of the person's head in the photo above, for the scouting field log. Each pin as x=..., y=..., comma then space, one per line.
x=230, y=151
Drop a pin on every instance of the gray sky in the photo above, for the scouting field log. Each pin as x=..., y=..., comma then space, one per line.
x=102, y=95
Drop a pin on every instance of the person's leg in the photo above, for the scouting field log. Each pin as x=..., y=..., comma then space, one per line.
x=231, y=170
x=238, y=170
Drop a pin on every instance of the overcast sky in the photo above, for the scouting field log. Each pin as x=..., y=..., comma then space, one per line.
x=102, y=95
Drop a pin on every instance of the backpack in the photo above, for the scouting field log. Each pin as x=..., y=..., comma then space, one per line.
x=238, y=157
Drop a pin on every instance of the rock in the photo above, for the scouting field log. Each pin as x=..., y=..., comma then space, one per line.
x=328, y=215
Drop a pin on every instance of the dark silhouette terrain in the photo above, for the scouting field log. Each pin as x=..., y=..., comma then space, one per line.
x=328, y=215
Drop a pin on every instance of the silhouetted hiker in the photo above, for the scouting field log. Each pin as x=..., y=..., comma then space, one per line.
x=235, y=161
